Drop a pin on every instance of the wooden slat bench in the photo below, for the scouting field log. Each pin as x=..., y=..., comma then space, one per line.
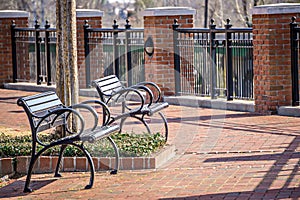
x=147, y=94
x=45, y=111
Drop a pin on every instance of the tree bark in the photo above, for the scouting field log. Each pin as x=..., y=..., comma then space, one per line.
x=66, y=52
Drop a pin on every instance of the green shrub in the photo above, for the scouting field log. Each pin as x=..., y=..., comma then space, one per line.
x=129, y=144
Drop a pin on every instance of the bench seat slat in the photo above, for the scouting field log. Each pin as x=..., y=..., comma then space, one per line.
x=155, y=108
x=110, y=88
x=41, y=100
x=107, y=80
x=44, y=106
x=98, y=133
x=102, y=83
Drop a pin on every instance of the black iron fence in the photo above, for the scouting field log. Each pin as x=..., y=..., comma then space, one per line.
x=214, y=61
x=33, y=53
x=108, y=51
x=115, y=50
x=295, y=61
x=211, y=61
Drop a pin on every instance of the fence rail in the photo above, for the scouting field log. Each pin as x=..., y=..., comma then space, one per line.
x=108, y=51
x=117, y=51
x=214, y=62
x=33, y=53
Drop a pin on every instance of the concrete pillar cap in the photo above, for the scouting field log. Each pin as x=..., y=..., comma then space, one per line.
x=280, y=8
x=169, y=11
x=13, y=14
x=89, y=13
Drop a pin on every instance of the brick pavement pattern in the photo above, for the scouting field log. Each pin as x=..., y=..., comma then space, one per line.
x=220, y=155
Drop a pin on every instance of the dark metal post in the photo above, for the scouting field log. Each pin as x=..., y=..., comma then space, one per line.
x=205, y=13
x=38, y=53
x=128, y=53
x=115, y=49
x=213, y=73
x=86, y=54
x=47, y=47
x=229, y=71
x=294, y=63
x=176, y=58
x=14, y=51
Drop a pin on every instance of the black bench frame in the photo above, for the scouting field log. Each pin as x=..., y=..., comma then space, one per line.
x=45, y=111
x=111, y=90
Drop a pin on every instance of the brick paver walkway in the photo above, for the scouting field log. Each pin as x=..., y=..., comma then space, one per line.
x=220, y=155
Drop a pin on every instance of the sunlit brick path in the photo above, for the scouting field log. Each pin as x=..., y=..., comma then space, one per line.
x=220, y=155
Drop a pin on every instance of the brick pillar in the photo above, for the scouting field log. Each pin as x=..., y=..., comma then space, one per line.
x=272, y=56
x=158, y=24
x=6, y=17
x=94, y=18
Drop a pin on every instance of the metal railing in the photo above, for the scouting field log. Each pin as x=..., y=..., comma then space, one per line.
x=215, y=62
x=108, y=51
x=115, y=50
x=295, y=61
x=211, y=62
x=33, y=53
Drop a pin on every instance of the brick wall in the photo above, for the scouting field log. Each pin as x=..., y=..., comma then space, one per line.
x=158, y=24
x=94, y=18
x=21, y=20
x=6, y=17
x=272, y=57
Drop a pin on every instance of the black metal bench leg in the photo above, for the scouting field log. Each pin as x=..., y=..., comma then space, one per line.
x=165, y=123
x=28, y=177
x=30, y=168
x=61, y=153
x=92, y=167
x=145, y=123
x=141, y=119
x=117, y=163
x=121, y=124
x=34, y=157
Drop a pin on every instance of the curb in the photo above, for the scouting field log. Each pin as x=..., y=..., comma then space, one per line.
x=206, y=102
x=47, y=164
x=191, y=101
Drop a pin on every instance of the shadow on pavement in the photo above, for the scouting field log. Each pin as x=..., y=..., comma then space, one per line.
x=15, y=189
x=282, y=193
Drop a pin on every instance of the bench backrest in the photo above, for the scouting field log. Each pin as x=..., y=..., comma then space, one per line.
x=107, y=85
x=38, y=105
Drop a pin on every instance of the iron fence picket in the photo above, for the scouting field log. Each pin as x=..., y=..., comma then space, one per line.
x=120, y=51
x=33, y=52
x=107, y=51
x=222, y=61
x=295, y=61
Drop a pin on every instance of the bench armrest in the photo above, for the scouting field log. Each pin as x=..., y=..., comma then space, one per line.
x=106, y=111
x=122, y=96
x=147, y=90
x=88, y=108
x=156, y=90
x=53, y=115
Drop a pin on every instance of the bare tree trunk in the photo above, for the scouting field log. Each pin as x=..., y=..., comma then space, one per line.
x=66, y=51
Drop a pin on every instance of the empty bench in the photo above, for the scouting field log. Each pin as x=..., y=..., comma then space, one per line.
x=45, y=111
x=146, y=94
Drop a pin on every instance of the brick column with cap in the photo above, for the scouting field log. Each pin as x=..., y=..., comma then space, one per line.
x=159, y=67
x=6, y=17
x=94, y=20
x=272, y=56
